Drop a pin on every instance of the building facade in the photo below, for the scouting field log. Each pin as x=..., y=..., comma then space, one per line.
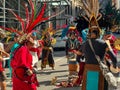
x=117, y=3
x=69, y=8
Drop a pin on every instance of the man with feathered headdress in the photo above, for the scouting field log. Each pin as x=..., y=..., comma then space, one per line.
x=23, y=77
x=72, y=44
x=47, y=51
x=92, y=76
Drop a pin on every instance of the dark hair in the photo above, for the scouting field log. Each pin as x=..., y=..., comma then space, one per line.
x=108, y=32
x=95, y=32
x=72, y=33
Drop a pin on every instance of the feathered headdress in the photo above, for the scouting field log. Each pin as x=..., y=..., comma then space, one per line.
x=28, y=23
x=2, y=33
x=91, y=8
x=49, y=30
x=69, y=29
x=73, y=29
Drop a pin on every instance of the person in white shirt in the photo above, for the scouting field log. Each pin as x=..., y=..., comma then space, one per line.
x=34, y=51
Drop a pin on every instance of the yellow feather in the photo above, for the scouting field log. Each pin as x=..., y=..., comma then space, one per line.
x=91, y=7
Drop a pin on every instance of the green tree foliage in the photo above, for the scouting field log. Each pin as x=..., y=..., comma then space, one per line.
x=111, y=16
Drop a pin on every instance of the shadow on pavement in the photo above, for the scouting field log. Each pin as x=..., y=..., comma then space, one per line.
x=48, y=72
x=67, y=88
x=46, y=83
x=64, y=65
x=62, y=76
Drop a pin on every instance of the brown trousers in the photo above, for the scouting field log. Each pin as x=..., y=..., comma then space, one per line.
x=92, y=67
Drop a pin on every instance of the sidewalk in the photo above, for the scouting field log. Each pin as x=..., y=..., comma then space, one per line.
x=61, y=72
x=45, y=76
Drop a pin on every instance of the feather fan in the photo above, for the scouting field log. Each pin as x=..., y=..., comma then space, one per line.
x=91, y=7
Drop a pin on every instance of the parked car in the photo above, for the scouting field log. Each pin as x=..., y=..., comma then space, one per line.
x=60, y=43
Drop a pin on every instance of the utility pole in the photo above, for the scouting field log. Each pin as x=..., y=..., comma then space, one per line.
x=19, y=7
x=4, y=13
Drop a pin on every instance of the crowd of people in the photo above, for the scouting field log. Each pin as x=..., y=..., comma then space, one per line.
x=24, y=56
x=83, y=66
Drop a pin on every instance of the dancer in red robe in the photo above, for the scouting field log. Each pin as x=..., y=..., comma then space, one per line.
x=21, y=63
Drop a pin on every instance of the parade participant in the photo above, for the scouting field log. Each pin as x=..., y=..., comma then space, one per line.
x=23, y=77
x=47, y=51
x=72, y=45
x=92, y=77
x=21, y=64
x=34, y=50
x=2, y=73
x=92, y=68
x=110, y=40
x=81, y=61
x=13, y=48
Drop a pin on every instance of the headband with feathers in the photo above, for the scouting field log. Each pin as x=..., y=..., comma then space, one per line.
x=91, y=8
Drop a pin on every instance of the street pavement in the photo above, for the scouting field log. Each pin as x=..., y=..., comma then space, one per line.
x=61, y=72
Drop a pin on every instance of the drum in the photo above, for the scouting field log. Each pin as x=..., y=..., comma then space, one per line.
x=73, y=67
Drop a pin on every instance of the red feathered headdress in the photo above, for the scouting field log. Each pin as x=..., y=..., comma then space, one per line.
x=28, y=23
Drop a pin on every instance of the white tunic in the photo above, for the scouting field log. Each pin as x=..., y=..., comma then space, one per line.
x=34, y=54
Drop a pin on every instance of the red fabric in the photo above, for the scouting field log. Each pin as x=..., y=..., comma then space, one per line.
x=19, y=85
x=80, y=73
x=41, y=42
x=21, y=58
x=71, y=50
x=80, y=39
x=112, y=40
x=34, y=49
x=1, y=67
x=39, y=52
